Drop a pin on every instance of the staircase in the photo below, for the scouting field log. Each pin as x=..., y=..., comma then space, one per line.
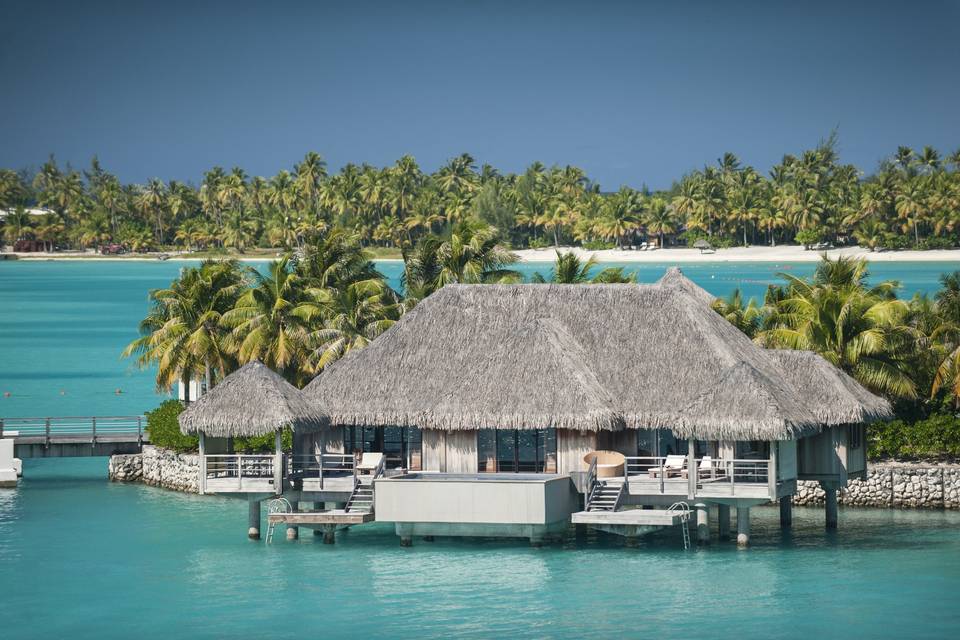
x=362, y=497
x=605, y=496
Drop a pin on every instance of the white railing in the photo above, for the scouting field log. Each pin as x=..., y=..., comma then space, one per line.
x=240, y=472
x=94, y=427
x=590, y=483
x=321, y=465
x=711, y=474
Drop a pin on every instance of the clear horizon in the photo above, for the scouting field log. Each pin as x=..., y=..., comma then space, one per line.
x=633, y=94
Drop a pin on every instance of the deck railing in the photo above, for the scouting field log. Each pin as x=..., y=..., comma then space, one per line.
x=319, y=466
x=75, y=427
x=240, y=471
x=712, y=475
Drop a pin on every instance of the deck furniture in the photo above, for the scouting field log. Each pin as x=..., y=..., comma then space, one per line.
x=672, y=467
x=609, y=463
x=708, y=469
x=369, y=462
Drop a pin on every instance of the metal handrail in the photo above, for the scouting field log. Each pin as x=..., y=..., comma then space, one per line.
x=591, y=483
x=53, y=426
x=731, y=471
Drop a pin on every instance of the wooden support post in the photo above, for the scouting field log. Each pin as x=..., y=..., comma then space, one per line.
x=293, y=531
x=253, y=520
x=723, y=521
x=278, y=464
x=743, y=526
x=329, y=533
x=703, y=523
x=202, y=451
x=786, y=512
x=691, y=469
x=830, y=490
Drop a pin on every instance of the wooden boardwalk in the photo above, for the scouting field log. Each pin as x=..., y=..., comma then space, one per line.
x=75, y=436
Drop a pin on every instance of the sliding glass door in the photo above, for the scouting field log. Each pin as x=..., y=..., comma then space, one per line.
x=517, y=450
x=401, y=446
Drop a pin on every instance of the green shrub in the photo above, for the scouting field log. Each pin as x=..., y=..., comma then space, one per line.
x=935, y=437
x=897, y=241
x=539, y=243
x=597, y=245
x=808, y=237
x=937, y=243
x=263, y=444
x=164, y=430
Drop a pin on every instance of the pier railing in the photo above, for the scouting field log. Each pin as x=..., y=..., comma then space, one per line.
x=75, y=428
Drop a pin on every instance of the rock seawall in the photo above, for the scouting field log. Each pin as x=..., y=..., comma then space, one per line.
x=909, y=485
x=157, y=467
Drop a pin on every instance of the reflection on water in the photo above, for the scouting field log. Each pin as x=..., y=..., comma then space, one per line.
x=158, y=563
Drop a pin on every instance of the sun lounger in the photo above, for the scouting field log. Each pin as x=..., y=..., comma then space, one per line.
x=643, y=246
x=672, y=467
x=369, y=462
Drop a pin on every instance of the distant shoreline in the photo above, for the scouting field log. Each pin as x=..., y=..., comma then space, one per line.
x=786, y=253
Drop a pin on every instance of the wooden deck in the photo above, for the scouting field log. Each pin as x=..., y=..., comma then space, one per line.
x=634, y=517
x=333, y=516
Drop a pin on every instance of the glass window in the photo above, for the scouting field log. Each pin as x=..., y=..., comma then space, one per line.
x=517, y=450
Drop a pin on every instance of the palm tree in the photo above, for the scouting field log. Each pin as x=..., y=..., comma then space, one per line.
x=351, y=315
x=268, y=325
x=570, y=269
x=472, y=255
x=864, y=334
x=238, y=232
x=335, y=261
x=183, y=334
x=659, y=218
x=152, y=202
x=911, y=206
x=747, y=318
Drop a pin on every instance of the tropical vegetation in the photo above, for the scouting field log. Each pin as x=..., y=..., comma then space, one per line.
x=906, y=350
x=912, y=200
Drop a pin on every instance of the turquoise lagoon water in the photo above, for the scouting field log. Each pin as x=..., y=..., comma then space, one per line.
x=85, y=558
x=64, y=324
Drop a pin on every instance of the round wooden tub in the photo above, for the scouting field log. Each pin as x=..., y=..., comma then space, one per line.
x=609, y=463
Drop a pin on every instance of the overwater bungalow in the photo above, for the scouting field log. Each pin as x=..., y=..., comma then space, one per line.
x=514, y=410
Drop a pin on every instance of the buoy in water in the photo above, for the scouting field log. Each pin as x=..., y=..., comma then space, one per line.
x=63, y=392
x=6, y=394
x=118, y=391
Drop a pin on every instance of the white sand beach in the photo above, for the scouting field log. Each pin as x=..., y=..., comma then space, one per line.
x=785, y=253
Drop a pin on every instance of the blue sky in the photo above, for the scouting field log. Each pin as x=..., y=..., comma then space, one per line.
x=634, y=92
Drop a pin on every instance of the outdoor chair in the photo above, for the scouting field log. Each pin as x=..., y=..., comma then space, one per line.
x=672, y=467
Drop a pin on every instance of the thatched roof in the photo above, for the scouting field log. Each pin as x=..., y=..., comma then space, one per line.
x=252, y=401
x=830, y=393
x=675, y=278
x=584, y=357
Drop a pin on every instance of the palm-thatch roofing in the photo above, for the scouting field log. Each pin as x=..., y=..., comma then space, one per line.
x=830, y=393
x=702, y=244
x=586, y=357
x=252, y=401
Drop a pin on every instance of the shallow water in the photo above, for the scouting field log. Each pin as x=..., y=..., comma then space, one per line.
x=64, y=324
x=84, y=558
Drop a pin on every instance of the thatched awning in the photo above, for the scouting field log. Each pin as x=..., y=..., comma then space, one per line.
x=832, y=395
x=585, y=357
x=252, y=401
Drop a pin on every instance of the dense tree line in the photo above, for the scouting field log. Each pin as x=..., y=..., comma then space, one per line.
x=912, y=200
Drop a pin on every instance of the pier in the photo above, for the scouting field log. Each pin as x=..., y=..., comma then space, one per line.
x=75, y=436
